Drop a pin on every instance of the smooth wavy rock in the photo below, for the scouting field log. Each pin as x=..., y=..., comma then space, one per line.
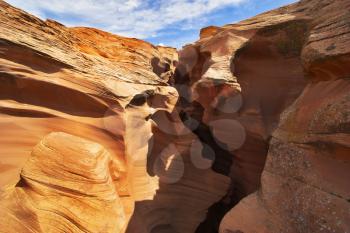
x=107, y=89
x=247, y=132
x=65, y=186
x=172, y=194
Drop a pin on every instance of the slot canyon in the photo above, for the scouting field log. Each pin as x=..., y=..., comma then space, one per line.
x=246, y=130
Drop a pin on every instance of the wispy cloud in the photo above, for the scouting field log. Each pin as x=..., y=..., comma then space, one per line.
x=133, y=18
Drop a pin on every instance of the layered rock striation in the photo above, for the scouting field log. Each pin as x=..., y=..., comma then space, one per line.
x=245, y=130
x=63, y=186
x=99, y=89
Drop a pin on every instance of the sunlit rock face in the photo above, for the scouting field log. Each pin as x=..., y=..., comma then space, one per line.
x=123, y=161
x=74, y=80
x=78, y=81
x=247, y=132
x=64, y=185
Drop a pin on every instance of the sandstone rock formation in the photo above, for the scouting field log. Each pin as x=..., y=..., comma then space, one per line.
x=64, y=185
x=247, y=132
x=106, y=89
x=237, y=80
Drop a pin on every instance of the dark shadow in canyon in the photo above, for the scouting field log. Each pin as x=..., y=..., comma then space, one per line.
x=271, y=76
x=160, y=67
x=269, y=71
x=222, y=164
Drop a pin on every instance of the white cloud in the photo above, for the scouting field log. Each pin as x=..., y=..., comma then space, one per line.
x=134, y=18
x=181, y=41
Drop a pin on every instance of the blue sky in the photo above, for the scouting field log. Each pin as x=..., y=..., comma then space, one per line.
x=165, y=22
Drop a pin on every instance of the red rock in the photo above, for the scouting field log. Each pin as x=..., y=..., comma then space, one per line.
x=251, y=133
x=102, y=87
x=282, y=64
x=63, y=186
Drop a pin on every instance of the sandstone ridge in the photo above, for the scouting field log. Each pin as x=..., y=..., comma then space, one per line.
x=245, y=130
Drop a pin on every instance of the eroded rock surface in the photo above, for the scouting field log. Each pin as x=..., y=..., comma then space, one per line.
x=304, y=185
x=113, y=91
x=241, y=82
x=64, y=185
x=247, y=132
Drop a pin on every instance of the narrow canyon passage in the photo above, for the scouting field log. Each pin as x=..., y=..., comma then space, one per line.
x=270, y=78
x=245, y=130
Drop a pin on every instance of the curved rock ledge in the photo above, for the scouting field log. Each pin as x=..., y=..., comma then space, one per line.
x=247, y=132
x=65, y=186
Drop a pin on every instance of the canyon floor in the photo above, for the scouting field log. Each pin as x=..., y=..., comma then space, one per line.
x=246, y=130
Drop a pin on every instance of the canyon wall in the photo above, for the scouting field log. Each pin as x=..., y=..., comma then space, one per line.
x=245, y=130
x=91, y=140
x=276, y=87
